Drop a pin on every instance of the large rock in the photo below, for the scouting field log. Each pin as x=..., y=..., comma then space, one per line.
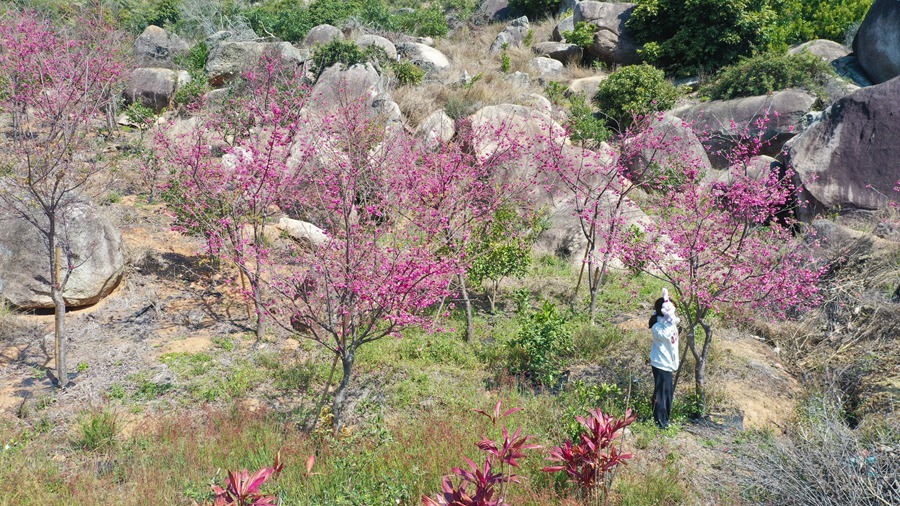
x=547, y=67
x=427, y=58
x=227, y=59
x=339, y=85
x=827, y=50
x=492, y=10
x=375, y=40
x=98, y=260
x=669, y=143
x=612, y=43
x=849, y=157
x=587, y=86
x=322, y=34
x=511, y=36
x=877, y=43
x=436, y=128
x=302, y=232
x=843, y=62
x=566, y=25
x=156, y=47
x=152, y=88
x=785, y=111
x=568, y=54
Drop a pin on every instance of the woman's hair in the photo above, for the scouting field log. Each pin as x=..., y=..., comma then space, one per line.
x=657, y=306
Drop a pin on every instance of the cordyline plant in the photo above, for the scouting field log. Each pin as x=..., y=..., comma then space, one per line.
x=591, y=462
x=490, y=481
x=243, y=488
x=377, y=270
x=725, y=246
x=228, y=178
x=57, y=86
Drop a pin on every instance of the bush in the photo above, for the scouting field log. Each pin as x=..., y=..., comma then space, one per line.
x=686, y=37
x=802, y=20
x=96, y=430
x=194, y=61
x=423, y=23
x=636, y=89
x=582, y=35
x=770, y=72
x=541, y=346
x=534, y=9
x=408, y=73
x=337, y=51
x=584, y=126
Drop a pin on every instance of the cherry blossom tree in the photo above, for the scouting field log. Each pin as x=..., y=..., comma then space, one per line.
x=57, y=86
x=721, y=248
x=228, y=178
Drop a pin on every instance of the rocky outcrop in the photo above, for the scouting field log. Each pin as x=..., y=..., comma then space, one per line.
x=492, y=10
x=511, y=36
x=877, y=42
x=427, y=58
x=97, y=259
x=612, y=43
x=339, y=85
x=567, y=54
x=491, y=125
x=156, y=47
x=227, y=59
x=566, y=25
x=670, y=143
x=380, y=42
x=587, y=86
x=302, y=232
x=783, y=114
x=322, y=34
x=827, y=50
x=547, y=67
x=849, y=157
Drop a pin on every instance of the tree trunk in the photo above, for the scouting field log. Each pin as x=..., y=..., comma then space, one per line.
x=340, y=395
x=593, y=288
x=260, y=310
x=700, y=371
x=470, y=319
x=59, y=305
x=496, y=288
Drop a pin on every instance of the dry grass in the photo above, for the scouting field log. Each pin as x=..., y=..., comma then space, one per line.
x=467, y=48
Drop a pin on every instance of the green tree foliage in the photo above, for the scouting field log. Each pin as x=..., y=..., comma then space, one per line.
x=584, y=125
x=802, y=20
x=534, y=9
x=636, y=89
x=337, y=51
x=541, y=346
x=583, y=34
x=768, y=72
x=685, y=37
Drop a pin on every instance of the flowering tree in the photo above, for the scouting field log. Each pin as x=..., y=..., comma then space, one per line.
x=378, y=269
x=721, y=247
x=230, y=197
x=56, y=85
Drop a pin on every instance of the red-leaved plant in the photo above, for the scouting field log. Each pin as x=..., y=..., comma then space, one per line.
x=242, y=488
x=491, y=480
x=591, y=462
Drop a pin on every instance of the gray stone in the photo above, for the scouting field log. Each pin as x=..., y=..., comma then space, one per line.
x=877, y=42
x=153, y=87
x=302, y=232
x=427, y=58
x=492, y=10
x=677, y=144
x=612, y=43
x=785, y=111
x=339, y=85
x=587, y=86
x=828, y=50
x=849, y=68
x=227, y=59
x=511, y=36
x=526, y=124
x=322, y=34
x=156, y=47
x=374, y=40
x=547, y=67
x=436, y=128
x=98, y=260
x=567, y=54
x=538, y=102
x=692, y=83
x=519, y=79
x=566, y=25
x=848, y=159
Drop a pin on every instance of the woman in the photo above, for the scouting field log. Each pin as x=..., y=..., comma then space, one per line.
x=663, y=357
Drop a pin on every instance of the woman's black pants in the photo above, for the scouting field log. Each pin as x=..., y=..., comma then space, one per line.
x=662, y=396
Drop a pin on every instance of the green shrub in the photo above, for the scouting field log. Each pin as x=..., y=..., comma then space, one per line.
x=770, y=72
x=636, y=89
x=408, y=73
x=583, y=34
x=139, y=114
x=802, y=20
x=96, y=430
x=194, y=61
x=429, y=22
x=534, y=9
x=337, y=51
x=689, y=36
x=541, y=347
x=584, y=126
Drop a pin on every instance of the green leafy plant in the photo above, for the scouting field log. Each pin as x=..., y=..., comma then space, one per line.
x=194, y=61
x=408, y=73
x=140, y=115
x=534, y=9
x=583, y=34
x=584, y=126
x=504, y=59
x=96, y=430
x=768, y=72
x=428, y=22
x=802, y=20
x=337, y=51
x=82, y=366
x=685, y=37
x=541, y=346
x=636, y=89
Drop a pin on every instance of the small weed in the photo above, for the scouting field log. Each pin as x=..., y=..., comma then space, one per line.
x=225, y=343
x=82, y=366
x=116, y=391
x=96, y=430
